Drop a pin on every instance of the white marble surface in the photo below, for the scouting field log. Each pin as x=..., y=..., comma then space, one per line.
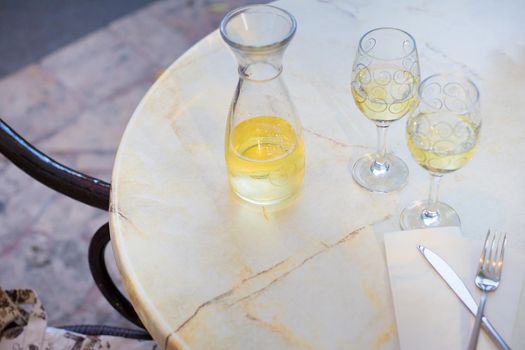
x=205, y=270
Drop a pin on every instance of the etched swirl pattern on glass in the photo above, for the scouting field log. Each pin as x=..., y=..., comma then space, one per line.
x=441, y=142
x=385, y=79
x=385, y=90
x=443, y=135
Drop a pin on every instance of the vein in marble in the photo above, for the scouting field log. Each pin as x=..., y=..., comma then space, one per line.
x=443, y=55
x=341, y=7
x=332, y=140
x=127, y=219
x=422, y=10
x=232, y=291
x=281, y=329
x=274, y=274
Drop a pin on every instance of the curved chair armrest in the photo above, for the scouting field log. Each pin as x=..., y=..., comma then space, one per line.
x=97, y=265
x=84, y=188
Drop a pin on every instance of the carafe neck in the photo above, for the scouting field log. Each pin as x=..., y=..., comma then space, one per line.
x=258, y=36
x=259, y=67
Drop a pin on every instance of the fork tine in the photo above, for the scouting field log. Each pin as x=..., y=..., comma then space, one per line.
x=501, y=255
x=482, y=257
x=492, y=253
x=486, y=259
x=495, y=252
x=488, y=276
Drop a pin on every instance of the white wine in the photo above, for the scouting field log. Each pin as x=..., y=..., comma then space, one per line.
x=265, y=160
x=384, y=93
x=442, y=142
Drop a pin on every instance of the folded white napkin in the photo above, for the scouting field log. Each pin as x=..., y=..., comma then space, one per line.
x=428, y=313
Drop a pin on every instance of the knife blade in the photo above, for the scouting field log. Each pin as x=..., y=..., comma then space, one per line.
x=458, y=287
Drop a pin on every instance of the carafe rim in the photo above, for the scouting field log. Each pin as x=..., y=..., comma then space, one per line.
x=258, y=48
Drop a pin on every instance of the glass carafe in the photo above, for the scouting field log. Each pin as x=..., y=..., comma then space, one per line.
x=264, y=146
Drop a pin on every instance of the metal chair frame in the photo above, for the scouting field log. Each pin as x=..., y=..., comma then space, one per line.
x=85, y=189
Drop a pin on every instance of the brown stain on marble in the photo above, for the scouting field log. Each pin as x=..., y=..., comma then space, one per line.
x=372, y=296
x=385, y=337
x=244, y=272
x=265, y=213
x=505, y=67
x=179, y=108
x=192, y=142
x=284, y=332
x=177, y=129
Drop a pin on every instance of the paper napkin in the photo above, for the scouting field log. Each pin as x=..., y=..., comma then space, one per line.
x=428, y=313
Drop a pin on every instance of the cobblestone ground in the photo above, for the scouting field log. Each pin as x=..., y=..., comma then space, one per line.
x=74, y=105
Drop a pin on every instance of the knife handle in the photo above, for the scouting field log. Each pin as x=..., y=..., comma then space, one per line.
x=494, y=335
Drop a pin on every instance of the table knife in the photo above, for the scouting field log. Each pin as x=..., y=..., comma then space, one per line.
x=458, y=287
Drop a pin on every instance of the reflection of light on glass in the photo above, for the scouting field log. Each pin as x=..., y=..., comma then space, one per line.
x=244, y=22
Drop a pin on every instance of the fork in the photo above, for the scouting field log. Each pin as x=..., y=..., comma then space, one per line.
x=488, y=276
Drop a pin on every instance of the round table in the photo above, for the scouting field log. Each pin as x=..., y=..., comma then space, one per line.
x=205, y=270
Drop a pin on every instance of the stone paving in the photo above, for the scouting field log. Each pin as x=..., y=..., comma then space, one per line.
x=74, y=105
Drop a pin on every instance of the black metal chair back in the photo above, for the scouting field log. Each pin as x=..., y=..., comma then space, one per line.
x=83, y=188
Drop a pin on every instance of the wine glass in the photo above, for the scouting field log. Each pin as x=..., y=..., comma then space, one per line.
x=442, y=135
x=385, y=78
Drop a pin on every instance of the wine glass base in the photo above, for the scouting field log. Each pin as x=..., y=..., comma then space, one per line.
x=413, y=217
x=394, y=178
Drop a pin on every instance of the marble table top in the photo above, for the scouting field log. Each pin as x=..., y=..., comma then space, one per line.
x=207, y=271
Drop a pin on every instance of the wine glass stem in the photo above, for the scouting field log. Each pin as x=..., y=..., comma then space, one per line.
x=430, y=214
x=380, y=166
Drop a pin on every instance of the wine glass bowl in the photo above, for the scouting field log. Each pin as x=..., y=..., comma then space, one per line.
x=385, y=78
x=442, y=136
